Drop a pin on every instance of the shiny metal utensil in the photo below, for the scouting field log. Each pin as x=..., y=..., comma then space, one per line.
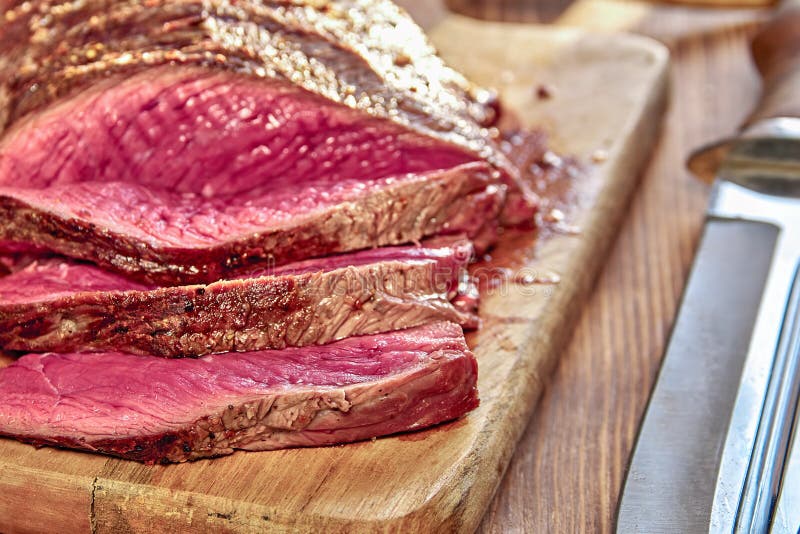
x=713, y=449
x=760, y=182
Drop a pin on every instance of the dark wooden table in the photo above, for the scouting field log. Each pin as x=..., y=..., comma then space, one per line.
x=569, y=467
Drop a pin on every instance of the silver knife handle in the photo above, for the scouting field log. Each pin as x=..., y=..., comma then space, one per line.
x=772, y=440
x=733, y=201
x=786, y=518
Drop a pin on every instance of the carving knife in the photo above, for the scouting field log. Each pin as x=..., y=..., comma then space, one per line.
x=719, y=450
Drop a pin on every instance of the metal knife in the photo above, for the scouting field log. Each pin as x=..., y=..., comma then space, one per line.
x=719, y=450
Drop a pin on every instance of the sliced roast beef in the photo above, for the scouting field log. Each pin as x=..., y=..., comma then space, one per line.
x=160, y=410
x=60, y=305
x=183, y=140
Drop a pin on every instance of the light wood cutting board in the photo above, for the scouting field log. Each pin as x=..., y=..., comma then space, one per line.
x=609, y=95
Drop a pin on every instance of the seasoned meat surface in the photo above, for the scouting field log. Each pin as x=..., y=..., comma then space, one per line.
x=55, y=304
x=177, y=410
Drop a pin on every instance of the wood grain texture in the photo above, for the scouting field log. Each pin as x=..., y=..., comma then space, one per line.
x=498, y=10
x=670, y=24
x=610, y=96
x=568, y=471
x=655, y=17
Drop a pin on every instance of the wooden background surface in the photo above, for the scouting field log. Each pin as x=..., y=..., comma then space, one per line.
x=569, y=467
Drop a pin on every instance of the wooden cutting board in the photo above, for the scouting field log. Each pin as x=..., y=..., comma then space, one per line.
x=608, y=98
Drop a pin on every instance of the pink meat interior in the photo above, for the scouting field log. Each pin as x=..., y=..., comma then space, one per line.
x=117, y=394
x=52, y=278
x=187, y=157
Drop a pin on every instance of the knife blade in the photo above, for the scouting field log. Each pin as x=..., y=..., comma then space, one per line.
x=713, y=446
x=673, y=473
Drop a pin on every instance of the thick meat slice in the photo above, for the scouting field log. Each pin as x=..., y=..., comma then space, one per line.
x=181, y=199
x=59, y=305
x=177, y=410
x=181, y=140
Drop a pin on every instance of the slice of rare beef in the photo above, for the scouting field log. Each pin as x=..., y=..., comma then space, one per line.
x=159, y=410
x=59, y=305
x=181, y=141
